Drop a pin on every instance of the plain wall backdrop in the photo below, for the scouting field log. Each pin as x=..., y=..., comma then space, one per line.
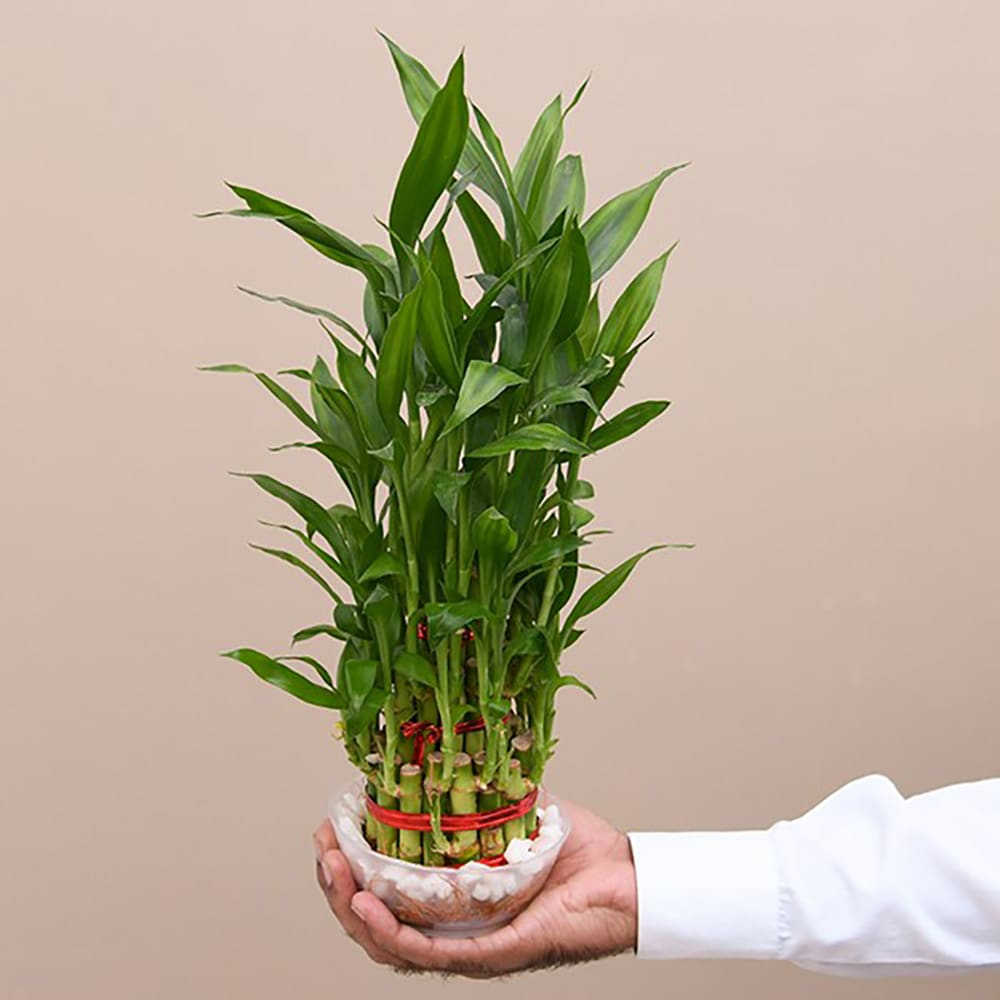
x=828, y=334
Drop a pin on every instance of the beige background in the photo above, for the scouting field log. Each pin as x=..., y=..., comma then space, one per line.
x=828, y=333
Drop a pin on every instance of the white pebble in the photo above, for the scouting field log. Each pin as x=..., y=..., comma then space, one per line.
x=441, y=887
x=519, y=849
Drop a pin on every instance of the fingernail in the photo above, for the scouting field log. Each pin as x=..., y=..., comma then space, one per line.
x=327, y=874
x=358, y=912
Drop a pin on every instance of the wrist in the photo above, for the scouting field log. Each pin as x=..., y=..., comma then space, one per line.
x=627, y=893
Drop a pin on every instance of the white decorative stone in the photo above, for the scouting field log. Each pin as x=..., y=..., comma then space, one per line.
x=519, y=849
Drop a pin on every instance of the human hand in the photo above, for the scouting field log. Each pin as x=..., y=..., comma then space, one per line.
x=585, y=911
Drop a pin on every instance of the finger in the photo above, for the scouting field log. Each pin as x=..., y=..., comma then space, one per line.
x=325, y=837
x=496, y=953
x=339, y=887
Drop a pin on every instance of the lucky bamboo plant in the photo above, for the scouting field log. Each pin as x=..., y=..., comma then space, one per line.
x=457, y=418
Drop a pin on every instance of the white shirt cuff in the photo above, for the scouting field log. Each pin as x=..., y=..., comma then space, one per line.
x=706, y=895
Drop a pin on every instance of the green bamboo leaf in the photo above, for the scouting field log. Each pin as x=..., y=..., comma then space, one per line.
x=493, y=253
x=455, y=190
x=602, y=590
x=538, y=153
x=633, y=308
x=525, y=488
x=338, y=421
x=343, y=460
x=338, y=568
x=447, y=487
x=602, y=388
x=533, y=437
x=567, y=192
x=482, y=307
x=384, y=565
x=312, y=631
x=445, y=619
x=435, y=331
x=590, y=327
x=495, y=147
x=592, y=369
x=431, y=393
x=419, y=90
x=313, y=513
x=381, y=605
x=542, y=553
x=360, y=387
x=621, y=425
x=348, y=619
x=548, y=300
x=276, y=389
x=395, y=360
x=320, y=237
x=443, y=269
x=513, y=334
x=568, y=680
x=494, y=539
x=576, y=97
x=287, y=679
x=515, y=218
x=374, y=312
x=432, y=159
x=309, y=310
x=482, y=384
x=610, y=230
x=561, y=395
x=387, y=453
x=577, y=288
x=578, y=516
x=294, y=560
x=367, y=712
x=529, y=640
x=415, y=668
x=419, y=87
x=321, y=671
x=364, y=698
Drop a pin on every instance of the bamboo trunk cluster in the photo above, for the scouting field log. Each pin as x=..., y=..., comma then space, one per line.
x=429, y=788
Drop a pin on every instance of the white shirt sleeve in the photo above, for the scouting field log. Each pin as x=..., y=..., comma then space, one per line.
x=866, y=883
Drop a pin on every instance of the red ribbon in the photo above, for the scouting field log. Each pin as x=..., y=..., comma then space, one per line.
x=494, y=860
x=450, y=824
x=429, y=733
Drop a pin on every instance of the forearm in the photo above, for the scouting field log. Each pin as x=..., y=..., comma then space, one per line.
x=866, y=883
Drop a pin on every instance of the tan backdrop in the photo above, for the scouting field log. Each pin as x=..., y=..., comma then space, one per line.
x=828, y=334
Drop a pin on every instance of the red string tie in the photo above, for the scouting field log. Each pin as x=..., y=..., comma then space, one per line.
x=421, y=822
x=428, y=733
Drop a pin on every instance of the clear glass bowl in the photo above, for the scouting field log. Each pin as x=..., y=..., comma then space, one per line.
x=448, y=902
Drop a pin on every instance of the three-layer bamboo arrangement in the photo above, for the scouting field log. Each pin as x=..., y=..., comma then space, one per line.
x=457, y=421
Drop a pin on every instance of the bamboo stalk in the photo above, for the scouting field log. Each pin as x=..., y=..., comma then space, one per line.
x=411, y=800
x=514, y=791
x=462, y=796
x=371, y=827
x=491, y=840
x=474, y=742
x=434, y=841
x=522, y=745
x=386, y=839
